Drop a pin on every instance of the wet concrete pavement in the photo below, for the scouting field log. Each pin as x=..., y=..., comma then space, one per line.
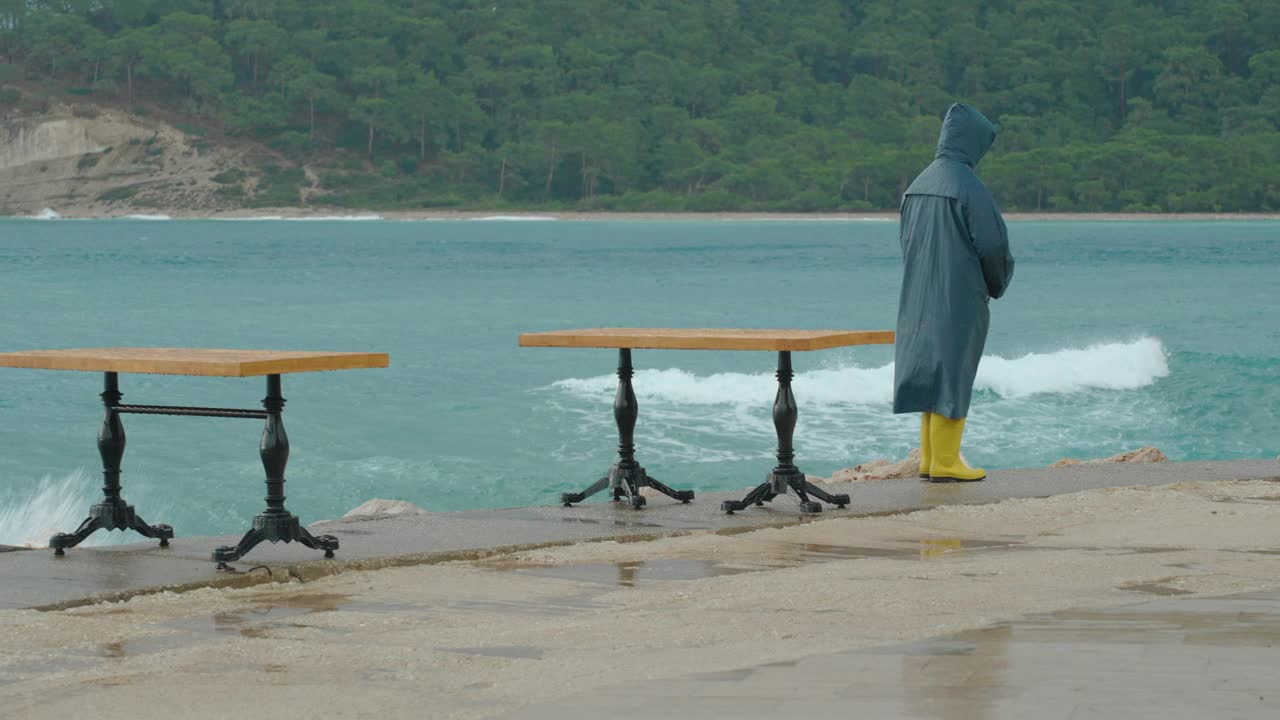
x=36, y=579
x=1167, y=659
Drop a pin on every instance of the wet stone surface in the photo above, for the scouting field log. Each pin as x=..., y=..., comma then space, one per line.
x=764, y=557
x=519, y=652
x=36, y=579
x=1172, y=658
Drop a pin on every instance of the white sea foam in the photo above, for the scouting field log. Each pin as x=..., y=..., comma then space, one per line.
x=48, y=214
x=335, y=218
x=513, y=218
x=147, y=217
x=1107, y=366
x=55, y=505
x=303, y=218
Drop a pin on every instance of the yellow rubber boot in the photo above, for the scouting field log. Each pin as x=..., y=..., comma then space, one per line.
x=944, y=436
x=926, y=454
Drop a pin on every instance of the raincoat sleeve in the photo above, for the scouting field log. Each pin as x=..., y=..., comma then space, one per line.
x=990, y=239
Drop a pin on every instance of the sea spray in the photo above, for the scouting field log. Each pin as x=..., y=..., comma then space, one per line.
x=54, y=505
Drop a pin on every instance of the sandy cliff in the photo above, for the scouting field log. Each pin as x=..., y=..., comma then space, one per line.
x=85, y=161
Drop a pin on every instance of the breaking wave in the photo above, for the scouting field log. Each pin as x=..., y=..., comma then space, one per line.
x=1105, y=366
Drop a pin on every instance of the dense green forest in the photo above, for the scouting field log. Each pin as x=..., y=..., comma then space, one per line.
x=700, y=105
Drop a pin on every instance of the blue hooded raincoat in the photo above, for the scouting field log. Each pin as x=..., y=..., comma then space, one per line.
x=955, y=254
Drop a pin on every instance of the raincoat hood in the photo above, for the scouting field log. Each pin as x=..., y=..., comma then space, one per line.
x=966, y=135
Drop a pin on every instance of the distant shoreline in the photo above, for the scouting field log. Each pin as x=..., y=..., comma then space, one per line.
x=573, y=216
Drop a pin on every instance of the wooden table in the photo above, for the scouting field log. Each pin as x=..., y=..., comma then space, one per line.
x=627, y=477
x=275, y=524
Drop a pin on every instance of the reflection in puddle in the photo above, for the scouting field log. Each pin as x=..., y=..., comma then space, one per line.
x=939, y=647
x=1157, y=587
x=556, y=606
x=1174, y=657
x=259, y=621
x=756, y=557
x=615, y=523
x=937, y=548
x=1247, y=500
x=725, y=676
x=626, y=574
x=143, y=646
x=255, y=623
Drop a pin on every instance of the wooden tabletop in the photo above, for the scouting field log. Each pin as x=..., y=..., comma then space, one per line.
x=187, y=361
x=706, y=339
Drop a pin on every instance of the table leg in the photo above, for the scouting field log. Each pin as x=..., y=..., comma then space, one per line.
x=786, y=476
x=626, y=477
x=113, y=513
x=275, y=524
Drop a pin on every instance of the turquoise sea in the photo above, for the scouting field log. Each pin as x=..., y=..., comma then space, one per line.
x=1113, y=335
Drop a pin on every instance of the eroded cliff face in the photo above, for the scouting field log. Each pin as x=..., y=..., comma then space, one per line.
x=32, y=140
x=90, y=162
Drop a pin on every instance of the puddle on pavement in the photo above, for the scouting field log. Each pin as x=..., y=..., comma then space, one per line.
x=256, y=622
x=135, y=647
x=756, y=557
x=1246, y=500
x=556, y=606
x=1149, y=550
x=725, y=675
x=272, y=614
x=1156, y=588
x=938, y=647
x=1138, y=652
x=626, y=574
x=519, y=652
x=555, y=518
x=615, y=523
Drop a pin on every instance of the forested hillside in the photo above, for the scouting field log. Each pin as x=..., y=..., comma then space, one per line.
x=813, y=105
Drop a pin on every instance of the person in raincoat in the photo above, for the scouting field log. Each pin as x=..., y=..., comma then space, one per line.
x=955, y=254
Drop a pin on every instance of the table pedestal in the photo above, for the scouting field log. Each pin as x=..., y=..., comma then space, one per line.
x=626, y=477
x=786, y=477
x=113, y=513
x=275, y=524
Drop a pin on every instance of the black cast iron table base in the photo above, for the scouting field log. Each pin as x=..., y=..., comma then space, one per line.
x=274, y=528
x=110, y=514
x=786, y=477
x=625, y=482
x=782, y=484
x=276, y=524
x=626, y=477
